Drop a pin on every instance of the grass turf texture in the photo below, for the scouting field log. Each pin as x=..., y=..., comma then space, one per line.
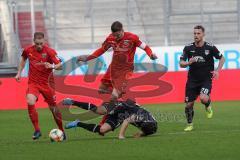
x=216, y=138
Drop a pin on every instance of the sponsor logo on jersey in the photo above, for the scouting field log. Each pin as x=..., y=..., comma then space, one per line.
x=126, y=42
x=44, y=55
x=199, y=59
x=207, y=52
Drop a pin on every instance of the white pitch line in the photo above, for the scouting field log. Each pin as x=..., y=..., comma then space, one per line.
x=195, y=131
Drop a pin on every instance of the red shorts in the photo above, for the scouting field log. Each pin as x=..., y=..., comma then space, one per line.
x=47, y=92
x=117, y=79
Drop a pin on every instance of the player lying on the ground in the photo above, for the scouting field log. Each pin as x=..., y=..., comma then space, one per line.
x=123, y=113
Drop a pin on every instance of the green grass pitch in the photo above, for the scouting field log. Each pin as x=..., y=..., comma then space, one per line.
x=215, y=139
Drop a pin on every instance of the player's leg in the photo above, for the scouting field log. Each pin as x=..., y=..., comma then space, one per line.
x=110, y=124
x=95, y=128
x=86, y=106
x=105, y=88
x=31, y=97
x=191, y=93
x=119, y=82
x=106, y=84
x=205, y=97
x=50, y=97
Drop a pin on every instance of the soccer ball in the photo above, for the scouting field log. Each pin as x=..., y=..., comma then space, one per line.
x=56, y=135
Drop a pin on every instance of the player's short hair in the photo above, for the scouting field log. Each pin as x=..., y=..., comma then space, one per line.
x=38, y=35
x=200, y=27
x=116, y=26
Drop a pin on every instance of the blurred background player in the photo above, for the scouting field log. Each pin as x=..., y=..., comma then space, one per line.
x=125, y=112
x=42, y=61
x=200, y=56
x=121, y=68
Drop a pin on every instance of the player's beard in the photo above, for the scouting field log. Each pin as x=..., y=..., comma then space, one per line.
x=39, y=49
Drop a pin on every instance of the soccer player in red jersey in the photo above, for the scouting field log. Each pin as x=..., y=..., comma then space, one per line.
x=124, y=46
x=42, y=61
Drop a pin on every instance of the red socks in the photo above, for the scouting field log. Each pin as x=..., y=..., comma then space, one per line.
x=58, y=119
x=33, y=115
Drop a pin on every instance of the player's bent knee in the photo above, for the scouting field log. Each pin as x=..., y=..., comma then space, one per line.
x=105, y=128
x=103, y=89
x=189, y=104
x=53, y=108
x=204, y=98
x=31, y=100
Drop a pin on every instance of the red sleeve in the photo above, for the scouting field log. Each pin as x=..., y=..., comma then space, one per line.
x=53, y=56
x=148, y=51
x=105, y=46
x=25, y=54
x=137, y=41
x=96, y=54
x=142, y=45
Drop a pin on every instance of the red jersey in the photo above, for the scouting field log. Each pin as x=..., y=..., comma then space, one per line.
x=37, y=71
x=124, y=50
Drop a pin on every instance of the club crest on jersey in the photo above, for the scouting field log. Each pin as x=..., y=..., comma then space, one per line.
x=126, y=44
x=44, y=55
x=207, y=52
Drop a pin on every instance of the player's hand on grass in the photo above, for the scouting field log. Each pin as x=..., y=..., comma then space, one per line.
x=82, y=58
x=153, y=57
x=48, y=65
x=18, y=77
x=192, y=60
x=215, y=74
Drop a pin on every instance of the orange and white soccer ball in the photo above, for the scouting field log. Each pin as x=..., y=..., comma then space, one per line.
x=56, y=135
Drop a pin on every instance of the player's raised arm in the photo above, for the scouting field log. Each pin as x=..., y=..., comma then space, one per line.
x=146, y=48
x=95, y=54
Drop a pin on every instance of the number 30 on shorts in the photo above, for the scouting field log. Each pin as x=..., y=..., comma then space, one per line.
x=204, y=91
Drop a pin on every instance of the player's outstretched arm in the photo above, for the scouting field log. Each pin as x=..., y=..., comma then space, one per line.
x=95, y=54
x=149, y=52
x=20, y=68
x=147, y=49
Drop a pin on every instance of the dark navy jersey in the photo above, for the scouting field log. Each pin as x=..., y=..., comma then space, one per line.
x=201, y=70
x=125, y=110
